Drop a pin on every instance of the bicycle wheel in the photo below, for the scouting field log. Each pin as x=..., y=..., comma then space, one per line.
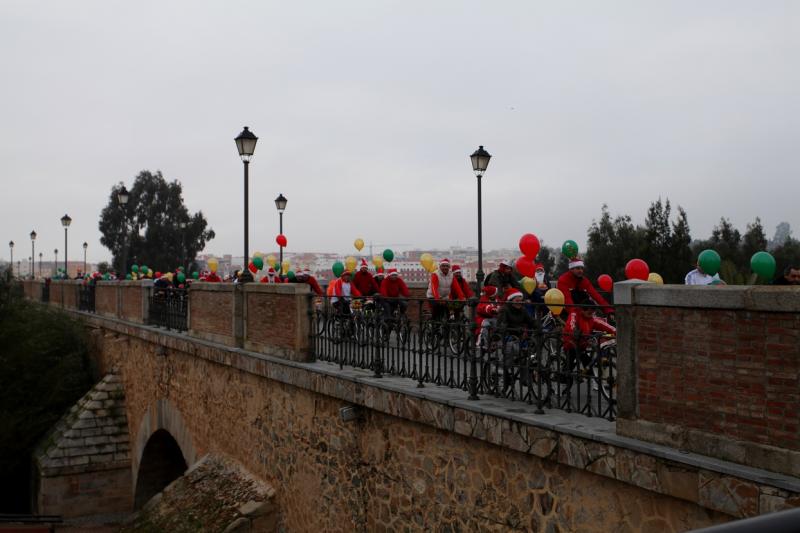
x=455, y=337
x=605, y=372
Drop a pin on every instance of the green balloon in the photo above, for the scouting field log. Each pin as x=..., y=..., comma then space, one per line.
x=709, y=261
x=196, y=275
x=181, y=277
x=258, y=262
x=337, y=268
x=291, y=275
x=763, y=264
x=180, y=269
x=143, y=269
x=569, y=248
x=388, y=255
x=128, y=277
x=134, y=268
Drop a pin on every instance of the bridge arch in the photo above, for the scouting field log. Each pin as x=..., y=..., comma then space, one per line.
x=163, y=449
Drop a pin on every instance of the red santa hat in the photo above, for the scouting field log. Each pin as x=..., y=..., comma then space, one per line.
x=575, y=262
x=364, y=265
x=378, y=272
x=538, y=266
x=393, y=272
x=271, y=271
x=489, y=290
x=513, y=294
x=456, y=268
x=444, y=262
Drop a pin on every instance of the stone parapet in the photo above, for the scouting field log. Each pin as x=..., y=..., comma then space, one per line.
x=133, y=300
x=106, y=298
x=212, y=313
x=713, y=370
x=276, y=320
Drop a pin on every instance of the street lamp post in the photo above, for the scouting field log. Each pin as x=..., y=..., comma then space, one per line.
x=40, y=264
x=480, y=160
x=11, y=265
x=55, y=263
x=122, y=199
x=246, y=144
x=183, y=245
x=66, y=221
x=85, y=246
x=33, y=253
x=280, y=203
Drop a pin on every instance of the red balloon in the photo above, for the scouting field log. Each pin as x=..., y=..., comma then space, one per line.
x=252, y=267
x=281, y=240
x=525, y=267
x=605, y=282
x=158, y=274
x=529, y=245
x=637, y=269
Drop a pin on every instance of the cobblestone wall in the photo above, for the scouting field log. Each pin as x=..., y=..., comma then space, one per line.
x=386, y=473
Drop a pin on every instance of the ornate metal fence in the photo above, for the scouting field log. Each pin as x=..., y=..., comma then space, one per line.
x=85, y=298
x=535, y=362
x=168, y=308
x=46, y=293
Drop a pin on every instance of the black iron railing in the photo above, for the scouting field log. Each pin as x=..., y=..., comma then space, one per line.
x=85, y=298
x=168, y=308
x=536, y=362
x=45, y=293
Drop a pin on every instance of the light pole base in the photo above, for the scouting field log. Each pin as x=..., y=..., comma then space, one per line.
x=246, y=277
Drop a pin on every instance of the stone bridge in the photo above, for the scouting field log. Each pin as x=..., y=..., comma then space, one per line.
x=707, y=431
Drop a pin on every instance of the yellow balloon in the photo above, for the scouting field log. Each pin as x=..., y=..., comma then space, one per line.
x=377, y=261
x=655, y=278
x=168, y=275
x=350, y=263
x=213, y=264
x=272, y=260
x=433, y=267
x=258, y=254
x=554, y=299
x=359, y=244
x=285, y=266
x=426, y=260
x=529, y=284
x=150, y=274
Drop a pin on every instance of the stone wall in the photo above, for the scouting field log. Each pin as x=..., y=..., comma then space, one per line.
x=716, y=370
x=133, y=297
x=106, y=298
x=83, y=465
x=413, y=462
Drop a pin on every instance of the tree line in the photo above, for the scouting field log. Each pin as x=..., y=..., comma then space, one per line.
x=664, y=241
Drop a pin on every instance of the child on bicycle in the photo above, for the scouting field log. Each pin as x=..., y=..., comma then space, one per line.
x=486, y=313
x=580, y=325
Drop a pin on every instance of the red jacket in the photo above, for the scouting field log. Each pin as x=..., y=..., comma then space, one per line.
x=486, y=309
x=212, y=277
x=365, y=283
x=584, y=327
x=275, y=279
x=393, y=286
x=463, y=284
x=569, y=282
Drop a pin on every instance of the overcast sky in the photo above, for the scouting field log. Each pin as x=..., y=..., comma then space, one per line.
x=367, y=112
